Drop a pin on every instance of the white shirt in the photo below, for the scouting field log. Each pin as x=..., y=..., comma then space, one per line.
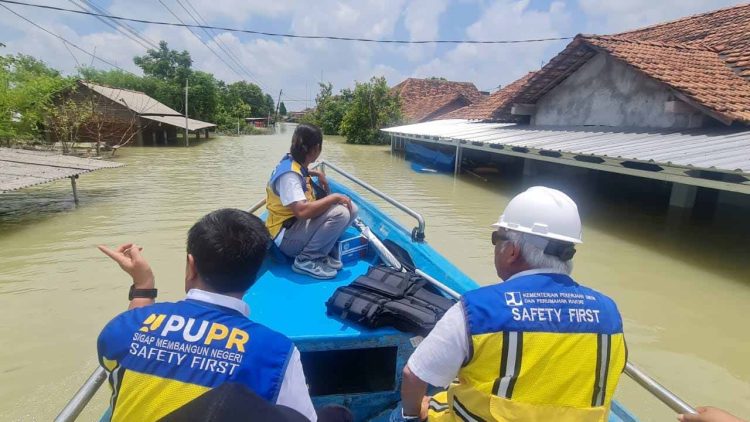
x=439, y=357
x=293, y=392
x=289, y=187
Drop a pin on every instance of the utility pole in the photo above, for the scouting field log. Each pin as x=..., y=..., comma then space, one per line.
x=238, y=125
x=187, y=140
x=278, y=102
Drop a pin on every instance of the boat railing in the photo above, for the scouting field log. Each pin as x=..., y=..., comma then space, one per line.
x=83, y=396
x=417, y=234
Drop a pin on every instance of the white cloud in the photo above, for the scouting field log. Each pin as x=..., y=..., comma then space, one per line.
x=490, y=65
x=607, y=17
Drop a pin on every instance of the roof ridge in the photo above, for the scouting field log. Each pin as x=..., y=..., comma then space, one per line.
x=685, y=18
x=687, y=46
x=114, y=87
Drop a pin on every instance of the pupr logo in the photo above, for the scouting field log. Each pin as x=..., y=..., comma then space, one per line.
x=513, y=299
x=206, y=332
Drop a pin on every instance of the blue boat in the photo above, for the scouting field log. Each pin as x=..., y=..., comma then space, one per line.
x=346, y=364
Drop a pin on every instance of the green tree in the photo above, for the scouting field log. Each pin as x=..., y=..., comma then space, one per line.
x=372, y=107
x=329, y=109
x=249, y=94
x=166, y=64
x=282, y=109
x=204, y=96
x=28, y=90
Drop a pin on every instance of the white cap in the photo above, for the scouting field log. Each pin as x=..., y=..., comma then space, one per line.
x=543, y=212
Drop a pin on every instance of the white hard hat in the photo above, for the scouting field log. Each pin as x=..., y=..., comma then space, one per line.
x=544, y=212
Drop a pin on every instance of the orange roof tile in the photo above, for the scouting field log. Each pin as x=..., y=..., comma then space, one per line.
x=424, y=99
x=696, y=72
x=726, y=31
x=491, y=107
x=704, y=57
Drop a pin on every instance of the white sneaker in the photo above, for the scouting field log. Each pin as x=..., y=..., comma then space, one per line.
x=313, y=268
x=333, y=263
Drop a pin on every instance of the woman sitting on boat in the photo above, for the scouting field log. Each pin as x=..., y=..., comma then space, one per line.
x=304, y=223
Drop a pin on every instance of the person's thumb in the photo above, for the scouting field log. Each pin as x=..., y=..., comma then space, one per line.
x=135, y=252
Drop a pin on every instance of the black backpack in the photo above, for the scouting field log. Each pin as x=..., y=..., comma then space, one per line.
x=386, y=297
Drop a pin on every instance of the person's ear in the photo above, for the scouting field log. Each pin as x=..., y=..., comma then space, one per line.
x=191, y=273
x=514, y=252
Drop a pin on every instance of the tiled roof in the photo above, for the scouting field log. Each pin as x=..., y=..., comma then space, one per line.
x=726, y=31
x=706, y=58
x=423, y=99
x=696, y=72
x=491, y=107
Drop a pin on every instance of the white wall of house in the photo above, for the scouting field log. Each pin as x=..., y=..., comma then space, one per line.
x=607, y=92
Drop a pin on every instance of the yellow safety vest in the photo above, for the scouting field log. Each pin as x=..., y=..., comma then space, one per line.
x=543, y=348
x=277, y=212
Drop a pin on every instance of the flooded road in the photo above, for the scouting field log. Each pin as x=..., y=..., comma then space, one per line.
x=683, y=288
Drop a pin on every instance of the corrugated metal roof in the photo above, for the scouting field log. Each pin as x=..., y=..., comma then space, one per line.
x=134, y=100
x=22, y=168
x=147, y=107
x=179, y=121
x=711, y=149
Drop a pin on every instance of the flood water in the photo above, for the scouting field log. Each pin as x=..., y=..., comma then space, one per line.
x=682, y=286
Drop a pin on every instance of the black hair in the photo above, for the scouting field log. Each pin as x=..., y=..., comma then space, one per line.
x=228, y=246
x=305, y=138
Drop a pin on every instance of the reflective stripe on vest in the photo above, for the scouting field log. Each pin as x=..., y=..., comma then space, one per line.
x=602, y=368
x=510, y=363
x=543, y=348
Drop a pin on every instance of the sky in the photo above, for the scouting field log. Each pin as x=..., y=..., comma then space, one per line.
x=296, y=66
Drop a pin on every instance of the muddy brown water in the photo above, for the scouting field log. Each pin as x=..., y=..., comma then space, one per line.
x=682, y=286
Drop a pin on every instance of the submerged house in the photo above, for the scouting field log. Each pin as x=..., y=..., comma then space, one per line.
x=669, y=102
x=118, y=117
x=429, y=99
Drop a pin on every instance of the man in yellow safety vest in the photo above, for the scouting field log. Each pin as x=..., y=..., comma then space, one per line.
x=536, y=347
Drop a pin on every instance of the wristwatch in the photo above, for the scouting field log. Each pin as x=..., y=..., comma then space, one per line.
x=141, y=293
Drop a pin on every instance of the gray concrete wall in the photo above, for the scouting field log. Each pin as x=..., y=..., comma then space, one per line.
x=607, y=92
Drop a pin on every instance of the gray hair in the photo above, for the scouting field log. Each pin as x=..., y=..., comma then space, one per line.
x=532, y=251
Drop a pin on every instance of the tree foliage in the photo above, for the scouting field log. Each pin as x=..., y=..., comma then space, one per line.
x=165, y=64
x=27, y=90
x=371, y=108
x=357, y=114
x=282, y=109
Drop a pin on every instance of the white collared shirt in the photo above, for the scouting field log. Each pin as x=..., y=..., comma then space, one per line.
x=439, y=357
x=293, y=392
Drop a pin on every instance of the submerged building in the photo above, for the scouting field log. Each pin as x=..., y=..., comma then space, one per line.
x=430, y=99
x=118, y=117
x=669, y=102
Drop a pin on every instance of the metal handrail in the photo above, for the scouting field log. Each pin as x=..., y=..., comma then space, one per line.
x=83, y=396
x=257, y=206
x=417, y=233
x=657, y=390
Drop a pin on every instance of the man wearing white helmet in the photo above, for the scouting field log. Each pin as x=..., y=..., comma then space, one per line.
x=537, y=346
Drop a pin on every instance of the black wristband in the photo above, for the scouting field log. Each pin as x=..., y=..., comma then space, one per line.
x=141, y=293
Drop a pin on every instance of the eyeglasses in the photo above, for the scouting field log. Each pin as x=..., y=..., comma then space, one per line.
x=498, y=237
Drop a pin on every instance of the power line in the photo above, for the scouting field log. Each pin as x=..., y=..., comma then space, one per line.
x=111, y=25
x=200, y=39
x=287, y=35
x=219, y=42
x=123, y=25
x=65, y=41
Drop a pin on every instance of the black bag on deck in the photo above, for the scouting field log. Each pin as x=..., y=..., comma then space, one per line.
x=385, y=297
